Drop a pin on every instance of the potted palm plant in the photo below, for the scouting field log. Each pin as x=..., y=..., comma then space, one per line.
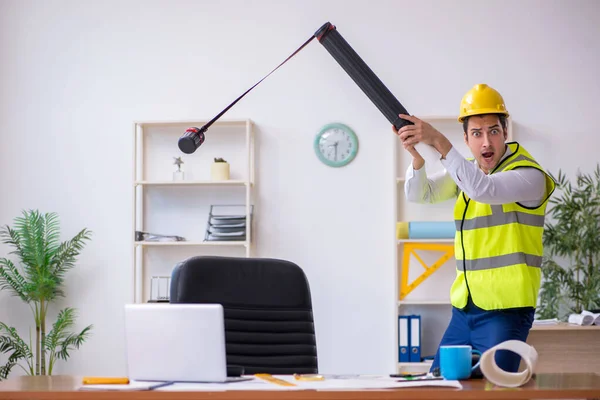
x=37, y=279
x=571, y=264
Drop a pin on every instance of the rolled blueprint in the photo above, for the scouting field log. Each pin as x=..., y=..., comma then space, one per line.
x=362, y=75
x=595, y=316
x=349, y=60
x=496, y=375
x=431, y=229
x=581, y=319
x=429, y=153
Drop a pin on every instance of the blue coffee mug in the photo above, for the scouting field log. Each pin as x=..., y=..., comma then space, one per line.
x=455, y=361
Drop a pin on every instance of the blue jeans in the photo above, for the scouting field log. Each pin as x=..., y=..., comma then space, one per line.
x=484, y=329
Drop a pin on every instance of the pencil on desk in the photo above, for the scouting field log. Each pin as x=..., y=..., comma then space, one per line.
x=102, y=380
x=272, y=379
x=309, y=377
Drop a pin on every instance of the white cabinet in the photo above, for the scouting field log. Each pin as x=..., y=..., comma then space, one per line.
x=430, y=298
x=167, y=206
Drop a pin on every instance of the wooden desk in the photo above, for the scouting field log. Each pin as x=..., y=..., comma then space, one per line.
x=543, y=386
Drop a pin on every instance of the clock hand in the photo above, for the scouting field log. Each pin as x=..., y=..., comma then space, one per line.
x=330, y=146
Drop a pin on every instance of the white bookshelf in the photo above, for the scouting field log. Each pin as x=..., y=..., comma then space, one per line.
x=162, y=205
x=431, y=299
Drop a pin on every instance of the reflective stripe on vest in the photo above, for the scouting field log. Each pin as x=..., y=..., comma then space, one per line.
x=502, y=261
x=502, y=246
x=499, y=217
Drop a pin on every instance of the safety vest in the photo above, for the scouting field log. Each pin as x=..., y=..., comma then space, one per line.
x=498, y=248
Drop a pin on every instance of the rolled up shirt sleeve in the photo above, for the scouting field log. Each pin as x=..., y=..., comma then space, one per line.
x=521, y=185
x=419, y=188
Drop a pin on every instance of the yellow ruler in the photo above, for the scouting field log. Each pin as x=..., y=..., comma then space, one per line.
x=272, y=379
x=410, y=249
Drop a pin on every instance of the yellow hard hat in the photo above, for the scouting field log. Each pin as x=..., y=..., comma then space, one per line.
x=481, y=99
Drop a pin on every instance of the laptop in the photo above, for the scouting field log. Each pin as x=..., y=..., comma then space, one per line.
x=176, y=342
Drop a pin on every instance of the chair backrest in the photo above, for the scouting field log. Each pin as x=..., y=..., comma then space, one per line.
x=269, y=326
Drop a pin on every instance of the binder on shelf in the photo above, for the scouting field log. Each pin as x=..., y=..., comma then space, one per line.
x=415, y=338
x=403, y=338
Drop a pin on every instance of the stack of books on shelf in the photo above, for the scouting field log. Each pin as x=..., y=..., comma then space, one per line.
x=226, y=223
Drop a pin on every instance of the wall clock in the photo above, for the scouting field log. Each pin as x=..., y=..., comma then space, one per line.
x=336, y=145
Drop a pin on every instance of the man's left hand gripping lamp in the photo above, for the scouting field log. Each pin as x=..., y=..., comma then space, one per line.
x=354, y=66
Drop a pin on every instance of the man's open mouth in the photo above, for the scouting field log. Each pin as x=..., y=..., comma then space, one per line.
x=487, y=156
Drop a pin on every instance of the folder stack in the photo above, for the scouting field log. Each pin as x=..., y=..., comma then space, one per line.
x=226, y=223
x=409, y=338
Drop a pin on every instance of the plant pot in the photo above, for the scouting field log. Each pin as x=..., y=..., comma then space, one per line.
x=219, y=171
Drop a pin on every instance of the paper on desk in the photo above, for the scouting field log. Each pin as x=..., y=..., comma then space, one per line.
x=254, y=384
x=551, y=321
x=131, y=386
x=493, y=373
x=382, y=382
x=358, y=383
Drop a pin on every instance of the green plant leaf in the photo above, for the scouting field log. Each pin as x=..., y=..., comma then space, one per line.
x=38, y=278
x=65, y=257
x=16, y=348
x=572, y=233
x=73, y=341
x=11, y=279
x=6, y=369
x=59, y=341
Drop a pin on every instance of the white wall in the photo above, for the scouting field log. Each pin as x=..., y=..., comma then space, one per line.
x=74, y=75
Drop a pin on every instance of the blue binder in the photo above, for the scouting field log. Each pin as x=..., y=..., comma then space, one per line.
x=403, y=338
x=414, y=322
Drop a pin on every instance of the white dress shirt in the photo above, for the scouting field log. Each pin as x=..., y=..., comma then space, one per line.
x=527, y=186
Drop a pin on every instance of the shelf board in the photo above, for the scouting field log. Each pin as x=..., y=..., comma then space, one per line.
x=192, y=183
x=400, y=180
x=413, y=364
x=438, y=118
x=199, y=123
x=400, y=241
x=423, y=302
x=214, y=243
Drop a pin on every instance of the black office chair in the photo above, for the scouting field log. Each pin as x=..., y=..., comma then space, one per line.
x=269, y=325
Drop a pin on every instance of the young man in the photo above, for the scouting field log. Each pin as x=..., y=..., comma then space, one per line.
x=501, y=198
